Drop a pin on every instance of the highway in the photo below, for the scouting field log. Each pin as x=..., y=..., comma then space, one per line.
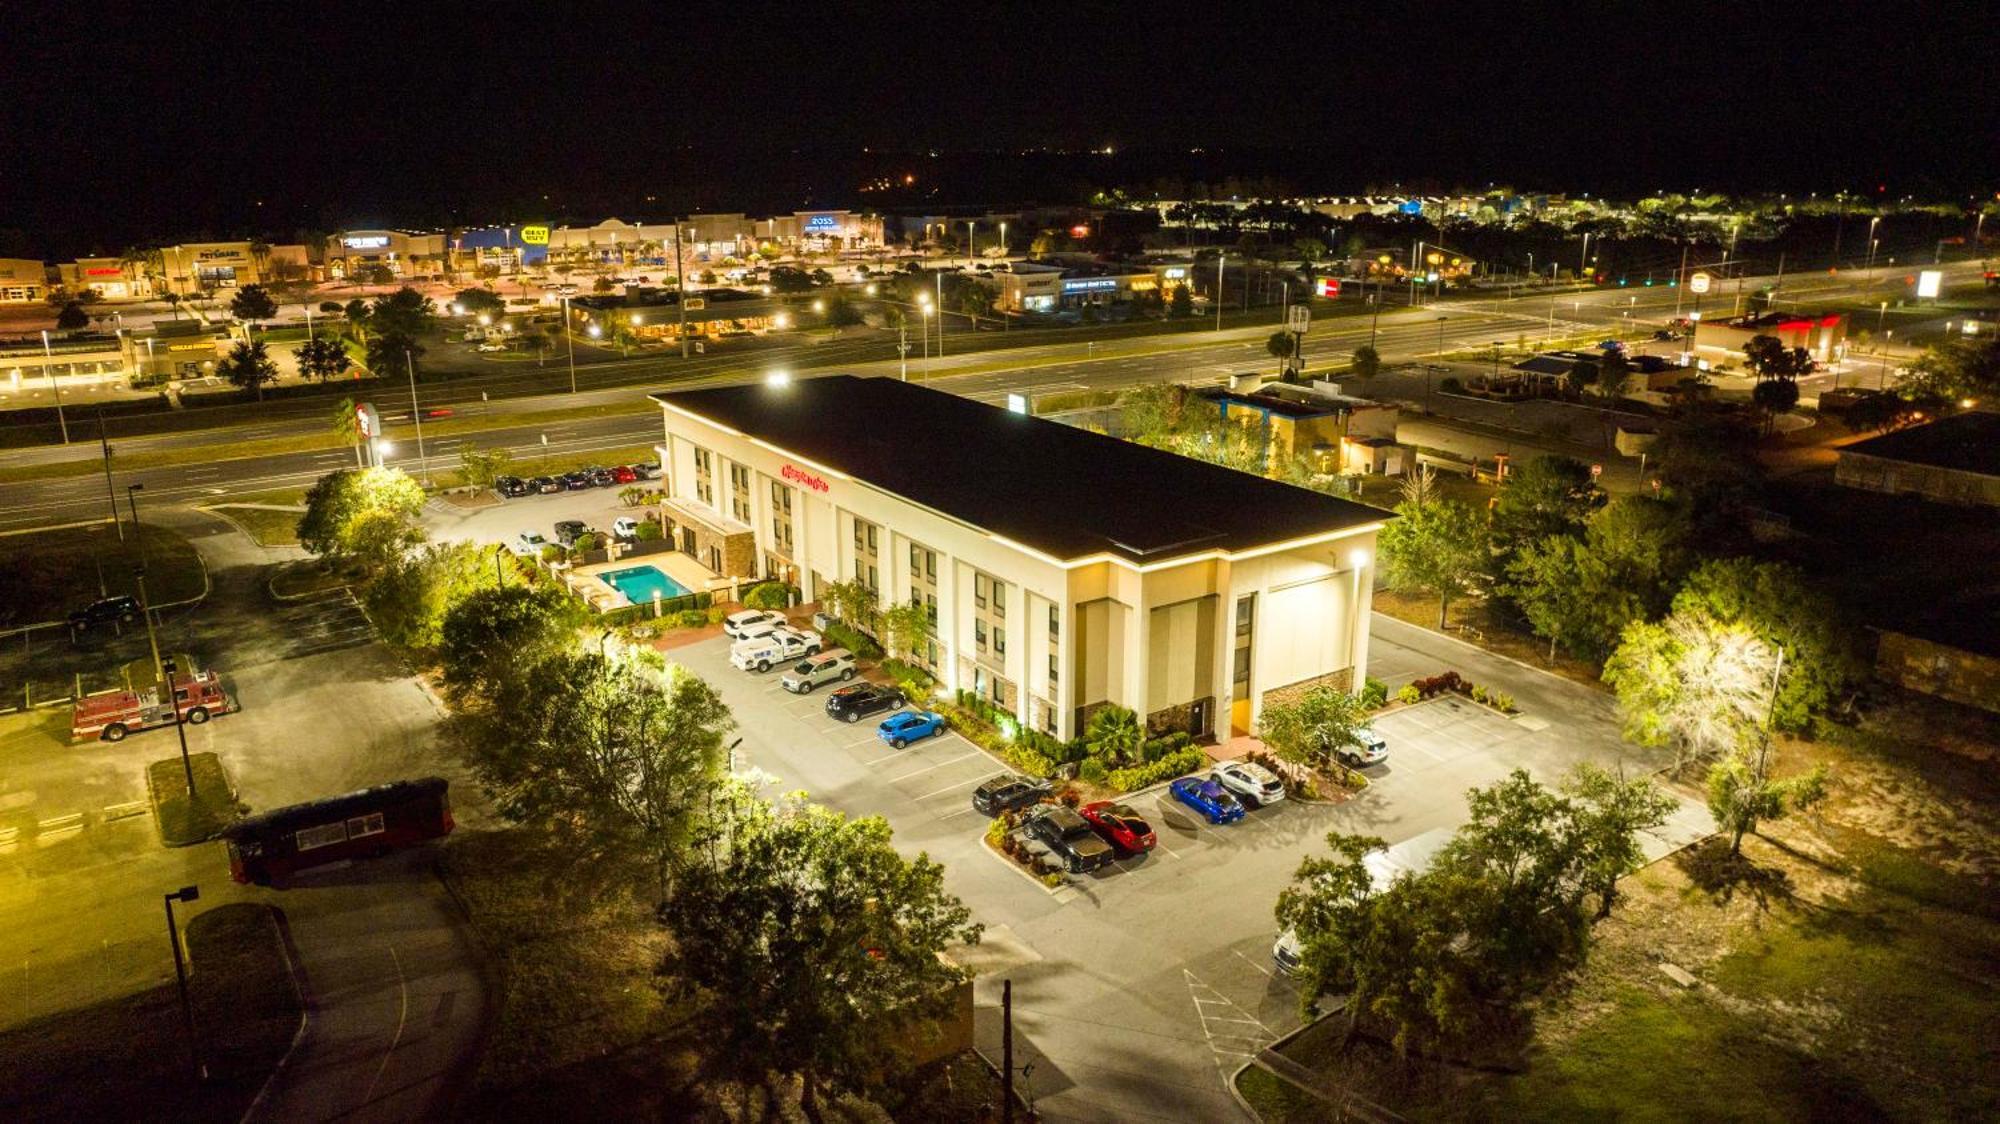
x=1401, y=335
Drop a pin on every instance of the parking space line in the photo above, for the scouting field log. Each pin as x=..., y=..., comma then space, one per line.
x=928, y=768
x=959, y=785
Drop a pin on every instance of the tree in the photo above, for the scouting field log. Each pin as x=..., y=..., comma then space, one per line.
x=1113, y=735
x=1781, y=607
x=1614, y=374
x=1153, y=413
x=841, y=312
x=1436, y=548
x=1280, y=345
x=248, y=365
x=395, y=320
x=819, y=945
x=1880, y=410
x=1771, y=359
x=615, y=760
x=1367, y=362
x=1709, y=464
x=1614, y=813
x=786, y=279
x=71, y=317
x=1306, y=730
x=252, y=303
x=1548, y=496
x=476, y=301
x=1180, y=303
x=340, y=504
x=1775, y=396
x=322, y=359
x=492, y=637
x=483, y=466
x=1691, y=683
x=908, y=630
x=851, y=601
x=1962, y=368
x=1741, y=796
x=1580, y=595
x=412, y=590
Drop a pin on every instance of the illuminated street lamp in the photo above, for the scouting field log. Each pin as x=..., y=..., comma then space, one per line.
x=778, y=378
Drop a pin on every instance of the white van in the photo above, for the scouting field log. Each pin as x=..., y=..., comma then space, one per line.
x=760, y=653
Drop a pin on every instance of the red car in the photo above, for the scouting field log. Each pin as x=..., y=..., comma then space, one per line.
x=623, y=474
x=1120, y=825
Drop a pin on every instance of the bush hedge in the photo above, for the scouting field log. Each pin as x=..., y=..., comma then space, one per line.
x=853, y=639
x=1374, y=694
x=669, y=607
x=771, y=596
x=1156, y=749
x=1174, y=764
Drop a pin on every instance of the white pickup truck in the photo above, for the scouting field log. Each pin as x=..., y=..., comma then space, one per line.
x=761, y=653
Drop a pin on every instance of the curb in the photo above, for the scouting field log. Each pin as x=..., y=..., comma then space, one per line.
x=302, y=986
x=1010, y=864
x=1487, y=651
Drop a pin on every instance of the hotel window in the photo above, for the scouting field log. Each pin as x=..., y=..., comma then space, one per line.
x=1055, y=623
x=1242, y=665
x=930, y=607
x=916, y=561
x=781, y=497
x=930, y=564
x=999, y=640
x=874, y=580
x=1246, y=611
x=996, y=694
x=979, y=633
x=1054, y=678
x=871, y=538
x=999, y=598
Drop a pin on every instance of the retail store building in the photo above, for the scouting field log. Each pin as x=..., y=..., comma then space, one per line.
x=1063, y=570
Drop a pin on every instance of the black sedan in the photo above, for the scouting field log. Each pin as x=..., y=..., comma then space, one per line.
x=600, y=477
x=1008, y=792
x=511, y=486
x=576, y=481
x=546, y=485
x=852, y=704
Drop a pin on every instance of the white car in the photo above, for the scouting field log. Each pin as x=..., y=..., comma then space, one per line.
x=751, y=622
x=491, y=347
x=625, y=527
x=1368, y=749
x=528, y=544
x=761, y=653
x=1245, y=778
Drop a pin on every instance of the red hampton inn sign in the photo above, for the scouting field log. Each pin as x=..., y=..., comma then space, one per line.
x=803, y=478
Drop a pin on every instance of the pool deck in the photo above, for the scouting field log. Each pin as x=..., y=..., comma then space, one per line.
x=588, y=581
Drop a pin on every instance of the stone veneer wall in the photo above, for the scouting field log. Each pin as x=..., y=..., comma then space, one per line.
x=1342, y=680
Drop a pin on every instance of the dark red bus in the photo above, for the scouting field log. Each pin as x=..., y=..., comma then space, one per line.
x=364, y=824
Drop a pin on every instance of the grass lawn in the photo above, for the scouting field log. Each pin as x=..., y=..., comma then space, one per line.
x=1848, y=967
x=183, y=820
x=127, y=1059
x=45, y=574
x=267, y=526
x=1475, y=621
x=305, y=576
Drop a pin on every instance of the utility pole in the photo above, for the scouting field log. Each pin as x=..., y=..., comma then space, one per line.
x=1220, y=258
x=153, y=641
x=185, y=894
x=49, y=368
x=903, y=348
x=569, y=333
x=110, y=490
x=680, y=283
x=417, y=415
x=1007, y=1051
x=939, y=275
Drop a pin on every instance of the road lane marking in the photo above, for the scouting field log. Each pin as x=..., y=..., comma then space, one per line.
x=928, y=768
x=952, y=788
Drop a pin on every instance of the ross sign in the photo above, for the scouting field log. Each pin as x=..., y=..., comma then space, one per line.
x=1017, y=403
x=1929, y=282
x=806, y=479
x=1297, y=318
x=534, y=236
x=367, y=422
x=1329, y=287
x=365, y=241
x=1699, y=283
x=820, y=223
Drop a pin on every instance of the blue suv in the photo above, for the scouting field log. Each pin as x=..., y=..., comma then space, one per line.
x=900, y=730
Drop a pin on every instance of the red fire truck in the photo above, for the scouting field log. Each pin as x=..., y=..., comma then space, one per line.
x=198, y=696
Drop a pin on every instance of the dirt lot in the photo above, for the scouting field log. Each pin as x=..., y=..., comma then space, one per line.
x=1847, y=968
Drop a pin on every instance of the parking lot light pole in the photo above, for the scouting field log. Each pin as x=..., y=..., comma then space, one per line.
x=180, y=727
x=417, y=415
x=185, y=894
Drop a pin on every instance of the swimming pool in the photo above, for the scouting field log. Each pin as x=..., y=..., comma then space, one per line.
x=639, y=584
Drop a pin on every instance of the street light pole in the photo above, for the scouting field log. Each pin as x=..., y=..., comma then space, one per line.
x=939, y=275
x=153, y=642
x=110, y=489
x=416, y=415
x=185, y=894
x=569, y=332
x=1220, y=258
x=680, y=283
x=49, y=368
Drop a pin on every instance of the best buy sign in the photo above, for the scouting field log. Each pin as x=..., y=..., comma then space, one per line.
x=534, y=236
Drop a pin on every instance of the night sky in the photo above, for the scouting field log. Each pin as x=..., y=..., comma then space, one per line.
x=124, y=123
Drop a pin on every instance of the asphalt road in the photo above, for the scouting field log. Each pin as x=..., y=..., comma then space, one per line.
x=1400, y=335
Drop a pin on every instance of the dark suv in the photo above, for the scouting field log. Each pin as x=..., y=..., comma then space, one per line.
x=124, y=608
x=511, y=486
x=1070, y=837
x=851, y=704
x=1007, y=792
x=569, y=530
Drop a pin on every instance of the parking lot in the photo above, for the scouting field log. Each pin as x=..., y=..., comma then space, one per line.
x=500, y=520
x=324, y=622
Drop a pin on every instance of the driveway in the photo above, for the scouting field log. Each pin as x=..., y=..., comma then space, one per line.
x=1139, y=988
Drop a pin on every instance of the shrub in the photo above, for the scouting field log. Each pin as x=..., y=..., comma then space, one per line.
x=716, y=613
x=1502, y=702
x=1028, y=761
x=1166, y=768
x=1478, y=693
x=1450, y=385
x=1069, y=797
x=771, y=596
x=851, y=638
x=649, y=531
x=1053, y=879
x=1409, y=694
x=996, y=834
x=1092, y=771
x=692, y=618
x=1374, y=694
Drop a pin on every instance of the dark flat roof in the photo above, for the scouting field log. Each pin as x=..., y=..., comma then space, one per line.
x=1968, y=442
x=1065, y=491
